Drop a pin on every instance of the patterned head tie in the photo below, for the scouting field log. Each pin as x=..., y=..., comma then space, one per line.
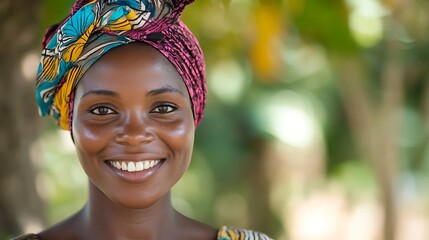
x=95, y=27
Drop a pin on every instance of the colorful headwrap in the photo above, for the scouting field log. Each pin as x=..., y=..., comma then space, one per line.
x=95, y=27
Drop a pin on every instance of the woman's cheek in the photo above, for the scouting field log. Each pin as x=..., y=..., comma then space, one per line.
x=89, y=138
x=182, y=137
x=89, y=143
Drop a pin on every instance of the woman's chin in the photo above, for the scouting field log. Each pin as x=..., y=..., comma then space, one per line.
x=137, y=202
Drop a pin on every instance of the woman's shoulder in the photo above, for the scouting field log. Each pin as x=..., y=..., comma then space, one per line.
x=30, y=236
x=229, y=233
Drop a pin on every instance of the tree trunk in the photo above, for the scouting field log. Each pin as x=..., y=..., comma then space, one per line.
x=21, y=208
x=376, y=126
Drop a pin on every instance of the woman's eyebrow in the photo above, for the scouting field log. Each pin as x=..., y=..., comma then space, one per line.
x=100, y=92
x=167, y=89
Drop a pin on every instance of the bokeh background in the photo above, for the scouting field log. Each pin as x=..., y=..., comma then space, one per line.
x=316, y=126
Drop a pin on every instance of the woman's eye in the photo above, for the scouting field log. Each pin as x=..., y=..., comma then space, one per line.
x=167, y=108
x=102, y=111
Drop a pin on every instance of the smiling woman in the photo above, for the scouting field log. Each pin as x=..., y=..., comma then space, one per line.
x=132, y=109
x=127, y=78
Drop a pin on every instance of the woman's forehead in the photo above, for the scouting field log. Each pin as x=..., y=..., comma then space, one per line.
x=136, y=54
x=134, y=64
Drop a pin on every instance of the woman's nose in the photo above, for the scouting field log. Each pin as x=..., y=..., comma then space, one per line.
x=134, y=132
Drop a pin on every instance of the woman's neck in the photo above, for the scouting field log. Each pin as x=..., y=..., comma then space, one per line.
x=104, y=219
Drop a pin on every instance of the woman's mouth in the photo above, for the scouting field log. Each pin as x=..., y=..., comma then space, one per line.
x=134, y=166
x=135, y=171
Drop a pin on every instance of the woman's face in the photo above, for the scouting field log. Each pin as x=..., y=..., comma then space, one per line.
x=133, y=125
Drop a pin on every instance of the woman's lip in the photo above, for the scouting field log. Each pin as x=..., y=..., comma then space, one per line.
x=136, y=176
x=134, y=157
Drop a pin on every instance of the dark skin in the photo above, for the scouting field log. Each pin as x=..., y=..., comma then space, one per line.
x=132, y=106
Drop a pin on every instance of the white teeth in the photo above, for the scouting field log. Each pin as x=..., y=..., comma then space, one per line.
x=139, y=166
x=131, y=167
x=146, y=165
x=124, y=166
x=135, y=166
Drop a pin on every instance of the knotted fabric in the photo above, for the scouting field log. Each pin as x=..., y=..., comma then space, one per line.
x=95, y=27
